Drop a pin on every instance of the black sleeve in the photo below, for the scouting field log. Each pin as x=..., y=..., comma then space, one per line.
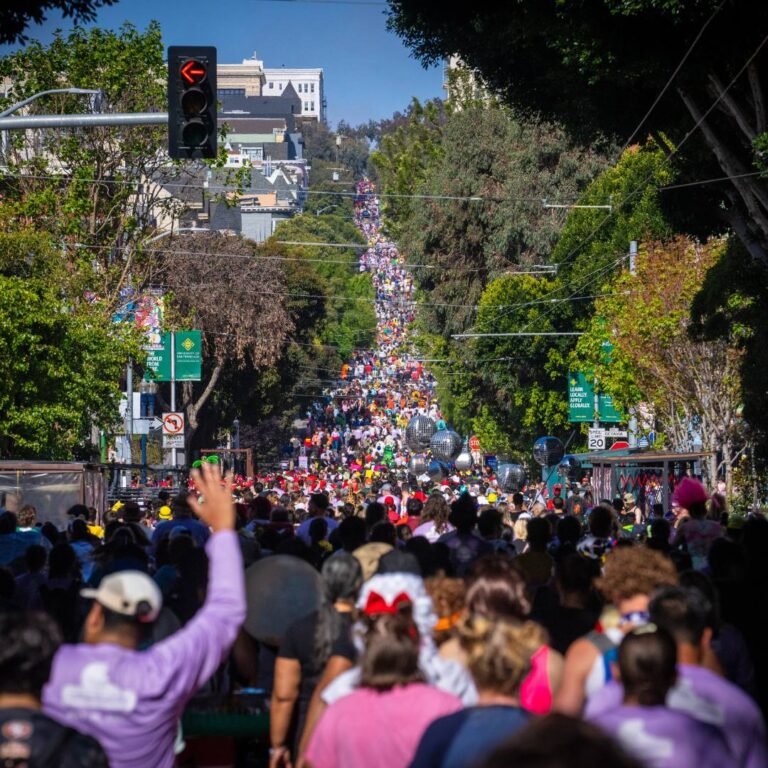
x=86, y=752
x=288, y=646
x=343, y=646
x=436, y=741
x=299, y=639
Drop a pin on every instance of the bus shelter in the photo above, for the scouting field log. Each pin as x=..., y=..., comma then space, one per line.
x=52, y=488
x=650, y=477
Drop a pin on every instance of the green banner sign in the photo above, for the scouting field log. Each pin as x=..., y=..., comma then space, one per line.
x=188, y=348
x=159, y=360
x=608, y=410
x=581, y=398
x=189, y=356
x=581, y=401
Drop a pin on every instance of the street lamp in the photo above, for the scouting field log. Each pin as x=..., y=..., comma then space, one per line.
x=236, y=438
x=97, y=93
x=76, y=91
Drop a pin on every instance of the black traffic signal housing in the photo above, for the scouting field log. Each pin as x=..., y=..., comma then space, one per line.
x=192, y=101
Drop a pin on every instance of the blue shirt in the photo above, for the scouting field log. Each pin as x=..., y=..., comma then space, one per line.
x=197, y=530
x=464, y=738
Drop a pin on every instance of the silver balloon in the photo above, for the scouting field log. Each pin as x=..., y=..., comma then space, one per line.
x=511, y=477
x=419, y=432
x=417, y=465
x=435, y=471
x=464, y=460
x=445, y=445
x=548, y=451
x=569, y=466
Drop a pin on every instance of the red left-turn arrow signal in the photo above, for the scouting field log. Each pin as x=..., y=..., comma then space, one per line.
x=193, y=72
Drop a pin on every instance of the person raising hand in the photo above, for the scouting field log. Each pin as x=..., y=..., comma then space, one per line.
x=108, y=688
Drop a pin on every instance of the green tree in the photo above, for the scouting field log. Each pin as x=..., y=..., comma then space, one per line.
x=63, y=358
x=688, y=384
x=483, y=214
x=404, y=158
x=346, y=295
x=91, y=188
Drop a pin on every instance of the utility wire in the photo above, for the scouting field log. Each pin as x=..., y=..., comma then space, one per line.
x=246, y=191
x=667, y=158
x=672, y=77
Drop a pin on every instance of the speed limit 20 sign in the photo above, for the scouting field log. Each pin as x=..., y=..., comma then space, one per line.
x=596, y=439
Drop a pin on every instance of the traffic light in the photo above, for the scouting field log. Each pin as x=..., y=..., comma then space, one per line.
x=192, y=101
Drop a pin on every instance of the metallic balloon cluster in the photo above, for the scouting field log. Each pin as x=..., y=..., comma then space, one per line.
x=422, y=435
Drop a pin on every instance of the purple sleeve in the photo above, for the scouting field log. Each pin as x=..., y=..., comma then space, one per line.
x=604, y=700
x=193, y=654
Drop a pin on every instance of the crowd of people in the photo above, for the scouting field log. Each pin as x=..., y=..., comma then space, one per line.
x=456, y=623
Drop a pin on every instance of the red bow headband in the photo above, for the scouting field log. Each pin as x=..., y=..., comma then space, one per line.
x=376, y=604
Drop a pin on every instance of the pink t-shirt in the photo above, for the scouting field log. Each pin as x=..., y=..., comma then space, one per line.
x=377, y=730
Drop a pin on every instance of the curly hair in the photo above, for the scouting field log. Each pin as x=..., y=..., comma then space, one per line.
x=499, y=652
x=448, y=598
x=27, y=516
x=630, y=571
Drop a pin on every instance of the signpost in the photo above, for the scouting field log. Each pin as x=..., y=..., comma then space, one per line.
x=173, y=431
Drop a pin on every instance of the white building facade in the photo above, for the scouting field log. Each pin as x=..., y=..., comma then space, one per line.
x=308, y=83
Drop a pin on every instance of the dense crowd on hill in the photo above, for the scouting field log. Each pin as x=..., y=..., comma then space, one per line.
x=455, y=622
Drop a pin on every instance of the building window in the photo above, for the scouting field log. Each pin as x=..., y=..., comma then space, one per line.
x=313, y=105
x=312, y=87
x=281, y=86
x=306, y=106
x=231, y=92
x=271, y=86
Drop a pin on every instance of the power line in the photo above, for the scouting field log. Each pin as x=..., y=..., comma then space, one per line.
x=245, y=191
x=672, y=77
x=668, y=157
x=711, y=181
x=224, y=254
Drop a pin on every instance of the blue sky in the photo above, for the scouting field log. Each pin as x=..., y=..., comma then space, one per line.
x=368, y=72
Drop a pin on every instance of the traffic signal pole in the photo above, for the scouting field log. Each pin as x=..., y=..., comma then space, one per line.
x=82, y=121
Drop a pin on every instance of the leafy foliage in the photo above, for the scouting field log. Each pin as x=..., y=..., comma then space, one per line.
x=690, y=385
x=599, y=67
x=17, y=15
x=89, y=187
x=62, y=359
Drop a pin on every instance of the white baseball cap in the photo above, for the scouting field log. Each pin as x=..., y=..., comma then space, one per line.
x=129, y=593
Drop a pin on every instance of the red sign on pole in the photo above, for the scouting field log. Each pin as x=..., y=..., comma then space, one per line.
x=474, y=443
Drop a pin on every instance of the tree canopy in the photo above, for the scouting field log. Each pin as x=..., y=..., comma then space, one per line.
x=598, y=68
x=63, y=356
x=17, y=15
